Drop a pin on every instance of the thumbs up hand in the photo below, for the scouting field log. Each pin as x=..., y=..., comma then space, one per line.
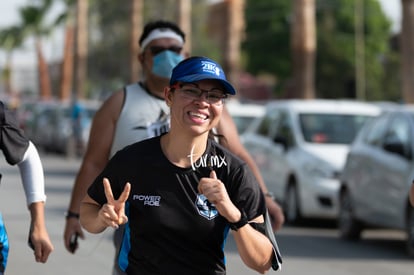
x=216, y=193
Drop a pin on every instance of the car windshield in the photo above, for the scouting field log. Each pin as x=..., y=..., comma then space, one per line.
x=330, y=128
x=242, y=122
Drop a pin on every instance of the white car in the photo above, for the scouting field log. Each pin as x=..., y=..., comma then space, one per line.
x=244, y=113
x=300, y=147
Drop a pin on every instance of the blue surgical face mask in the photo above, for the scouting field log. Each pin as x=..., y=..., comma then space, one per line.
x=164, y=62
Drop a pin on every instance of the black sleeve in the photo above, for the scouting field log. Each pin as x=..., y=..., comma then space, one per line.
x=246, y=193
x=13, y=142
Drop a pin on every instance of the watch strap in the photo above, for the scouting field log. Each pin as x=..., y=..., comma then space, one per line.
x=70, y=214
x=242, y=222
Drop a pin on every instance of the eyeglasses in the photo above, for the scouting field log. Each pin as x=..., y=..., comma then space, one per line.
x=191, y=91
x=158, y=49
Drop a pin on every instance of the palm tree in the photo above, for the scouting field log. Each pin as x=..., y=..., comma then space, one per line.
x=67, y=64
x=407, y=51
x=184, y=21
x=81, y=52
x=303, y=41
x=33, y=17
x=136, y=21
x=10, y=39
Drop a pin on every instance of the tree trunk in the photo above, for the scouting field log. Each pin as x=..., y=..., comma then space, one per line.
x=6, y=75
x=303, y=43
x=407, y=51
x=184, y=21
x=67, y=64
x=43, y=70
x=235, y=32
x=81, y=48
x=359, y=50
x=136, y=27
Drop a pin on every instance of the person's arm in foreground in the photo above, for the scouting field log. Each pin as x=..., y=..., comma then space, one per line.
x=31, y=172
x=227, y=128
x=412, y=194
x=94, y=160
x=254, y=248
x=96, y=218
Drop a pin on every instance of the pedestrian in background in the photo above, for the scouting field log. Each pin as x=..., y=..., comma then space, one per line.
x=20, y=151
x=78, y=117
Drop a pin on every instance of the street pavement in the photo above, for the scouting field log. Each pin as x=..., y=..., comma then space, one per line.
x=94, y=256
x=312, y=249
x=96, y=253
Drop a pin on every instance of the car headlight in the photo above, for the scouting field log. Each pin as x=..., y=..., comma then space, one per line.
x=321, y=170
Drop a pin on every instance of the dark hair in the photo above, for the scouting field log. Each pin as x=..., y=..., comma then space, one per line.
x=160, y=24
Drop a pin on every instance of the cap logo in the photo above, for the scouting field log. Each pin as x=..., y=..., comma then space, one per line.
x=210, y=67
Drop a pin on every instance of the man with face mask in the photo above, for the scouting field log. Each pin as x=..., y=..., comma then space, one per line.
x=139, y=111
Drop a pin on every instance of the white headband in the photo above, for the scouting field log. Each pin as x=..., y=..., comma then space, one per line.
x=161, y=33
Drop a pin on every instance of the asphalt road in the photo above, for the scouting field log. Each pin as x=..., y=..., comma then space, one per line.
x=310, y=249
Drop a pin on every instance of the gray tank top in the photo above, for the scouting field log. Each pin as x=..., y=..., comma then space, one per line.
x=142, y=116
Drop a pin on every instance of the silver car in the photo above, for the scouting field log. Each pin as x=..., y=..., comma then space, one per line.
x=300, y=147
x=378, y=173
x=50, y=126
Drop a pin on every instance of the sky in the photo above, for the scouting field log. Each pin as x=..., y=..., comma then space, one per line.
x=53, y=47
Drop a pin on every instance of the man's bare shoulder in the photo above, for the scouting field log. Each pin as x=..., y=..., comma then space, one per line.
x=112, y=106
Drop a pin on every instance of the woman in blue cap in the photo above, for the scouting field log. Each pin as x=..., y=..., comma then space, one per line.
x=179, y=194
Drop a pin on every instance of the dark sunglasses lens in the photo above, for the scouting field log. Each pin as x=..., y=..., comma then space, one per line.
x=156, y=49
x=175, y=49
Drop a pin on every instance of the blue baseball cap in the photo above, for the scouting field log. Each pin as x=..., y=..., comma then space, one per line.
x=199, y=68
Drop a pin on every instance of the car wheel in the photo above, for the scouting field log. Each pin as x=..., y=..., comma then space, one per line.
x=349, y=228
x=410, y=231
x=291, y=206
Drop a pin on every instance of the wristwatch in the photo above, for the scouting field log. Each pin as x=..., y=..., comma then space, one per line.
x=69, y=214
x=270, y=195
x=242, y=222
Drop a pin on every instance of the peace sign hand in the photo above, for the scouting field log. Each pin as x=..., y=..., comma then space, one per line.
x=113, y=212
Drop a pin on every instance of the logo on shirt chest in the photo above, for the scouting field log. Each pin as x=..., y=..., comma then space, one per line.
x=205, y=208
x=148, y=200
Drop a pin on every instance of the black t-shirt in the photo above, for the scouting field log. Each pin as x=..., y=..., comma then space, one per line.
x=172, y=229
x=13, y=142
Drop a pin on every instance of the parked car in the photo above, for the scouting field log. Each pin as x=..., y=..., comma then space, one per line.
x=244, y=113
x=300, y=148
x=377, y=176
x=50, y=126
